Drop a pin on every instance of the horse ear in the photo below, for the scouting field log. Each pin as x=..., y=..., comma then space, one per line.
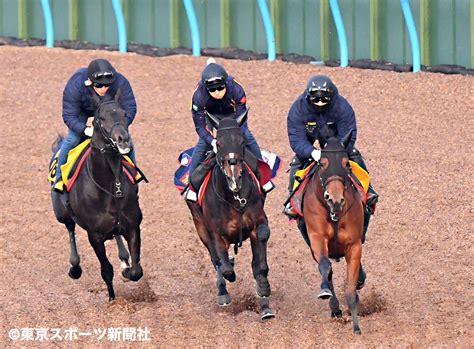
x=213, y=120
x=118, y=95
x=346, y=139
x=242, y=117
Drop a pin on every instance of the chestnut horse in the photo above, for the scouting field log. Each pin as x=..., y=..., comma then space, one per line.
x=333, y=222
x=232, y=211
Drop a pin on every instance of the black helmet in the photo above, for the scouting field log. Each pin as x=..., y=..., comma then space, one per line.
x=320, y=91
x=214, y=75
x=100, y=71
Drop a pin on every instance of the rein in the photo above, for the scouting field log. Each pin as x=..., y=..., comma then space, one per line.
x=333, y=215
x=242, y=202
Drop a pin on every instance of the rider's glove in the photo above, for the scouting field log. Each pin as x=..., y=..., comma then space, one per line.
x=89, y=131
x=316, y=154
x=214, y=145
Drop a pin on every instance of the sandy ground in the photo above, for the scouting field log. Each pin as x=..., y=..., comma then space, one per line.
x=415, y=131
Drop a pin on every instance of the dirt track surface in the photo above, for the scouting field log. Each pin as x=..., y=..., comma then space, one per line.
x=415, y=131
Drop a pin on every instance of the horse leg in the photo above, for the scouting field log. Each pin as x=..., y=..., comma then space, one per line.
x=224, y=265
x=353, y=257
x=75, y=270
x=123, y=255
x=106, y=269
x=333, y=301
x=258, y=239
x=223, y=297
x=135, y=271
x=325, y=270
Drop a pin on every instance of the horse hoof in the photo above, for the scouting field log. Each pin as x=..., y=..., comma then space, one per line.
x=325, y=294
x=123, y=276
x=224, y=300
x=357, y=331
x=75, y=272
x=360, y=285
x=267, y=314
x=132, y=275
x=229, y=276
x=337, y=314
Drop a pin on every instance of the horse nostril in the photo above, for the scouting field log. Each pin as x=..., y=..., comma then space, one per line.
x=342, y=202
x=326, y=196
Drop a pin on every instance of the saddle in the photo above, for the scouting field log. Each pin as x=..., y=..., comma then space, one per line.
x=76, y=159
x=359, y=178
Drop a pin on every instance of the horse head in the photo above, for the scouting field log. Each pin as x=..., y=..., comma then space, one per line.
x=111, y=126
x=230, y=147
x=334, y=171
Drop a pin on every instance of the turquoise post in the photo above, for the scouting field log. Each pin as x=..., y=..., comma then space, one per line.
x=270, y=34
x=122, y=31
x=48, y=23
x=341, y=33
x=193, y=26
x=415, y=46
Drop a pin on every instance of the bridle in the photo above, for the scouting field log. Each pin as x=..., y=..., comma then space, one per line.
x=326, y=178
x=110, y=143
x=109, y=147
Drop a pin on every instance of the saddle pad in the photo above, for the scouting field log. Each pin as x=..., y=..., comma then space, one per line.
x=76, y=158
x=72, y=159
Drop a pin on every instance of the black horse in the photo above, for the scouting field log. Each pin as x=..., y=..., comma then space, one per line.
x=232, y=211
x=103, y=201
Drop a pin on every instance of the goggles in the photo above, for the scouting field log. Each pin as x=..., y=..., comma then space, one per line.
x=98, y=85
x=216, y=88
x=319, y=95
x=102, y=74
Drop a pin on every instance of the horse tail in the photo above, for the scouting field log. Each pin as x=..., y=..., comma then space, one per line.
x=57, y=143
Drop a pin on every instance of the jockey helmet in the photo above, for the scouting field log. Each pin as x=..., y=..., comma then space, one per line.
x=214, y=75
x=100, y=71
x=320, y=91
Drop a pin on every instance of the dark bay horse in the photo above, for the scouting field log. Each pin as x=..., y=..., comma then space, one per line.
x=333, y=223
x=232, y=211
x=102, y=200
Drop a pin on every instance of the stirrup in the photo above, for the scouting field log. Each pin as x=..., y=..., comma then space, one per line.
x=268, y=187
x=288, y=210
x=372, y=199
x=190, y=195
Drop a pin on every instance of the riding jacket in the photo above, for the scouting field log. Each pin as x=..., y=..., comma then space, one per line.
x=233, y=102
x=304, y=123
x=78, y=104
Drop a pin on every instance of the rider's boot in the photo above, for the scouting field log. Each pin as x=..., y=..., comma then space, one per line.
x=190, y=195
x=372, y=199
x=295, y=165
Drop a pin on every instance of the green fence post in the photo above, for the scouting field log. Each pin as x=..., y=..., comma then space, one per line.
x=125, y=9
x=324, y=28
x=174, y=23
x=225, y=23
x=73, y=19
x=472, y=33
x=22, y=19
x=374, y=30
x=425, y=31
x=275, y=14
